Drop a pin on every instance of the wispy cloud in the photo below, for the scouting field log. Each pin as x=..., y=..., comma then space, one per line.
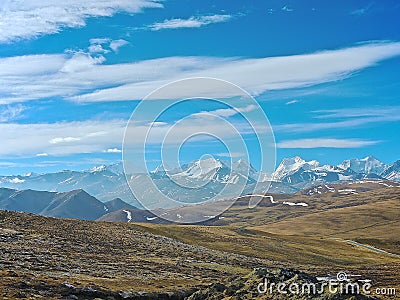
x=97, y=45
x=347, y=118
x=287, y=8
x=325, y=143
x=62, y=138
x=255, y=75
x=113, y=150
x=81, y=61
x=192, y=22
x=292, y=102
x=68, y=138
x=75, y=75
x=43, y=154
x=231, y=154
x=363, y=10
x=385, y=112
x=9, y=113
x=116, y=44
x=228, y=112
x=31, y=18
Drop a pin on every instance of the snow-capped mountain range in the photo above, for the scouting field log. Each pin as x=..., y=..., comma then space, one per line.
x=297, y=170
x=292, y=175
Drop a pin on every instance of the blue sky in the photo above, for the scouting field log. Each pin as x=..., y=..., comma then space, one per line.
x=325, y=73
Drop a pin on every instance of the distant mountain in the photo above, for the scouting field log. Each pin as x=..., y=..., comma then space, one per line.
x=103, y=182
x=392, y=172
x=76, y=204
x=290, y=166
x=296, y=170
x=117, y=204
x=212, y=175
x=365, y=165
x=26, y=201
x=116, y=168
x=243, y=166
x=215, y=170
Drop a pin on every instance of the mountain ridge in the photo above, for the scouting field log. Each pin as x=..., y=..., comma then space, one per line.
x=76, y=204
x=290, y=176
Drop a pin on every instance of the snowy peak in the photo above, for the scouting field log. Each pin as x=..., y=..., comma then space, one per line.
x=160, y=169
x=114, y=168
x=98, y=169
x=289, y=166
x=392, y=172
x=31, y=174
x=365, y=165
x=202, y=167
x=244, y=167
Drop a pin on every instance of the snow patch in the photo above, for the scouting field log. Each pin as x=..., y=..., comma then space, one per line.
x=128, y=215
x=66, y=181
x=17, y=180
x=98, y=169
x=295, y=203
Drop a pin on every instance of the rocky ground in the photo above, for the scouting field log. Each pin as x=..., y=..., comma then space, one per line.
x=48, y=258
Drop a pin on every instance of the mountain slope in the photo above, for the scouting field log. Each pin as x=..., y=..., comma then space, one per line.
x=27, y=200
x=117, y=204
x=392, y=172
x=76, y=204
x=100, y=260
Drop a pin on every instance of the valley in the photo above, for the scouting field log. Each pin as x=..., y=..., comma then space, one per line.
x=223, y=258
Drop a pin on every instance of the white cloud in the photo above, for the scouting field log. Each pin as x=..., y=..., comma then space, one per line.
x=287, y=8
x=349, y=118
x=292, y=102
x=325, y=143
x=228, y=112
x=29, y=65
x=99, y=41
x=80, y=62
x=72, y=74
x=363, y=10
x=66, y=138
x=231, y=154
x=32, y=18
x=10, y=113
x=192, y=22
x=385, y=112
x=113, y=150
x=44, y=154
x=116, y=44
x=97, y=45
x=97, y=48
x=254, y=75
x=62, y=138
